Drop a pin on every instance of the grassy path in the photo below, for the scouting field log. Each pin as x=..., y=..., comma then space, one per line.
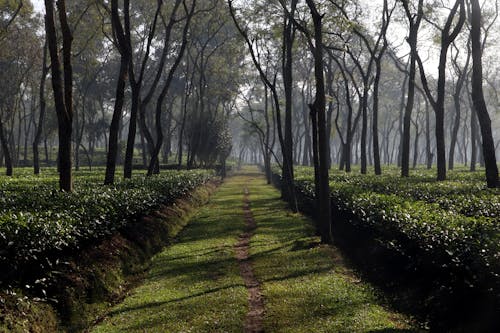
x=197, y=284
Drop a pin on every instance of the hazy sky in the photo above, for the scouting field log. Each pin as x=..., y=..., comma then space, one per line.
x=39, y=6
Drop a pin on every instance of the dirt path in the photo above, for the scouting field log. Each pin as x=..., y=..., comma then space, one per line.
x=215, y=277
x=254, y=318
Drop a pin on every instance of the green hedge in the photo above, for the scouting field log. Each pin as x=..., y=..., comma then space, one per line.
x=448, y=232
x=36, y=218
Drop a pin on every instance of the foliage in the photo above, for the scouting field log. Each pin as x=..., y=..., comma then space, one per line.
x=36, y=218
x=195, y=284
x=448, y=228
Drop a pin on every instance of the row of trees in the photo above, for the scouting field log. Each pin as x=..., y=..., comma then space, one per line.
x=107, y=77
x=316, y=82
x=339, y=77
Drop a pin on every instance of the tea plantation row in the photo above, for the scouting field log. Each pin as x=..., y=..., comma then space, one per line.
x=444, y=235
x=37, y=219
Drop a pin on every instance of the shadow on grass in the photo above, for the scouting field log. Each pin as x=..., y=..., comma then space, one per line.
x=393, y=330
x=179, y=299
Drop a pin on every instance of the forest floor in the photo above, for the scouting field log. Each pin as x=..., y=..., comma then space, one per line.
x=245, y=263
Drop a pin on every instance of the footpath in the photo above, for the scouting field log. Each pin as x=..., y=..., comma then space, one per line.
x=245, y=263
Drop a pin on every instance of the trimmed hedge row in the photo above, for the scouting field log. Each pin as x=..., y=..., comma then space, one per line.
x=445, y=235
x=37, y=219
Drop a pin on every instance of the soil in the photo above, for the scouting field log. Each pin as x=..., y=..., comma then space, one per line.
x=254, y=317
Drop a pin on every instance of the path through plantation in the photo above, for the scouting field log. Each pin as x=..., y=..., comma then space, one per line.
x=245, y=263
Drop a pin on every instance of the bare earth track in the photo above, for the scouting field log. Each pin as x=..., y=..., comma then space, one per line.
x=254, y=318
x=224, y=274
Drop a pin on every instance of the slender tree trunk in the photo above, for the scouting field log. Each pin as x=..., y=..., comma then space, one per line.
x=402, y=110
x=114, y=127
x=132, y=130
x=288, y=174
x=376, y=146
x=267, y=154
x=415, y=146
x=412, y=41
x=41, y=117
x=481, y=110
x=315, y=142
x=63, y=94
x=364, y=127
x=428, y=148
x=307, y=135
x=6, y=152
x=473, y=139
x=184, y=102
x=319, y=107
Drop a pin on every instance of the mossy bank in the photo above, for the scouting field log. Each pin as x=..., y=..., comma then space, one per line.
x=99, y=275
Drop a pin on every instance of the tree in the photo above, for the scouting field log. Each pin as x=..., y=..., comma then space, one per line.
x=136, y=79
x=478, y=97
x=414, y=21
x=63, y=91
x=41, y=117
x=318, y=112
x=448, y=35
x=462, y=75
x=154, y=163
x=286, y=142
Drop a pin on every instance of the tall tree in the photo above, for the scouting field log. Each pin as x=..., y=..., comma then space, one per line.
x=448, y=35
x=414, y=20
x=41, y=117
x=462, y=75
x=63, y=90
x=125, y=50
x=288, y=189
x=136, y=79
x=318, y=111
x=478, y=97
x=154, y=162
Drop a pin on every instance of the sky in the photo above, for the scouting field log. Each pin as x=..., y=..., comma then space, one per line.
x=39, y=6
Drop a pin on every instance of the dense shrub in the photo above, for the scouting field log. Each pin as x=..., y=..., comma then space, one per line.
x=445, y=234
x=36, y=218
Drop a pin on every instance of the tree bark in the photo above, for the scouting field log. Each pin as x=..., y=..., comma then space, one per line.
x=288, y=42
x=481, y=110
x=154, y=162
x=319, y=108
x=41, y=117
x=447, y=37
x=6, y=152
x=114, y=127
x=63, y=93
x=412, y=41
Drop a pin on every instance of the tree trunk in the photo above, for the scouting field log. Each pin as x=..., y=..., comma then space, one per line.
x=364, y=127
x=376, y=146
x=447, y=37
x=41, y=117
x=319, y=107
x=6, y=152
x=481, y=110
x=412, y=41
x=63, y=94
x=428, y=148
x=114, y=127
x=287, y=149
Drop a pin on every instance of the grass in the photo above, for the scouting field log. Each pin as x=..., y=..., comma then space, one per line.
x=307, y=287
x=195, y=286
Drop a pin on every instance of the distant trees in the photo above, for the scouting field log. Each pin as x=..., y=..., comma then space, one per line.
x=285, y=136
x=144, y=83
